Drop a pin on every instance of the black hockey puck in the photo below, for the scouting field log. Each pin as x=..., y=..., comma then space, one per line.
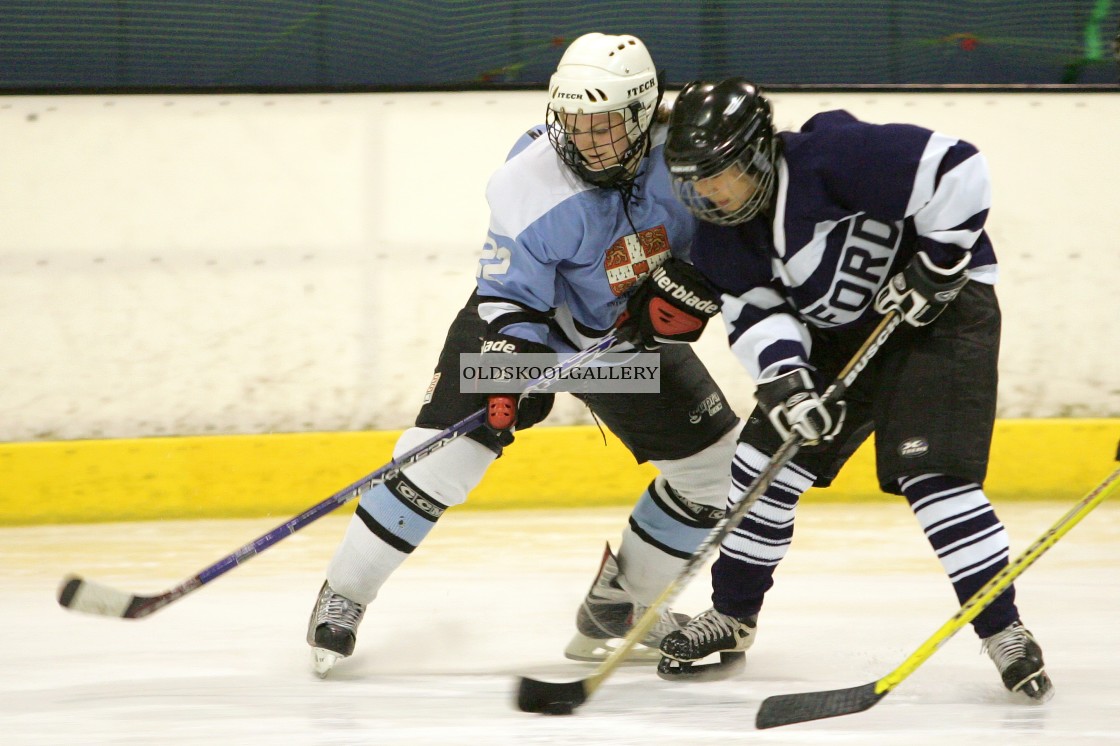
x=549, y=698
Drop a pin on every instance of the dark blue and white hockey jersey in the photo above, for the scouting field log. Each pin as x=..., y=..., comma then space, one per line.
x=557, y=244
x=854, y=202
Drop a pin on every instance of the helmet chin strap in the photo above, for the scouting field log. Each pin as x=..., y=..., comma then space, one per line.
x=613, y=177
x=607, y=178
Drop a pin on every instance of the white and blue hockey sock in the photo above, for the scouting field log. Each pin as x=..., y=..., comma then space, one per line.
x=673, y=516
x=393, y=518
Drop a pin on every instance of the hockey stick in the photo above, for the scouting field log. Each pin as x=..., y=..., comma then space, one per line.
x=786, y=709
x=561, y=698
x=79, y=594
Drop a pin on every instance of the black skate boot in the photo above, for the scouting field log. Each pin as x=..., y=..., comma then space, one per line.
x=332, y=630
x=707, y=634
x=1018, y=659
x=606, y=616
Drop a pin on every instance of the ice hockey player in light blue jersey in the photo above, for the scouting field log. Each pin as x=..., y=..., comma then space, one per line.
x=570, y=251
x=582, y=213
x=811, y=237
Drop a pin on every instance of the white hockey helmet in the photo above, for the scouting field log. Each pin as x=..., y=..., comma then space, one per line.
x=602, y=73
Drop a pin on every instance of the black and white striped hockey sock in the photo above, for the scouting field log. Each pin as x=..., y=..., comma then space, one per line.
x=968, y=538
x=744, y=570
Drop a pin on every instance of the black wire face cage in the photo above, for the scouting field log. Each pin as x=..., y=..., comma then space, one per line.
x=606, y=166
x=756, y=164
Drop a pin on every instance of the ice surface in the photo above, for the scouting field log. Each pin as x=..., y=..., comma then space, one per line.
x=492, y=595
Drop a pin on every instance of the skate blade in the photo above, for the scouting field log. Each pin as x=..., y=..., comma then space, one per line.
x=322, y=661
x=592, y=650
x=729, y=664
x=1038, y=689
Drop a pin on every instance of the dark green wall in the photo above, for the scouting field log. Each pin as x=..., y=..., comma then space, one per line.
x=309, y=44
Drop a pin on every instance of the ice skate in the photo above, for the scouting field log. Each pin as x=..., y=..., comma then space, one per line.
x=1018, y=659
x=332, y=629
x=707, y=634
x=606, y=616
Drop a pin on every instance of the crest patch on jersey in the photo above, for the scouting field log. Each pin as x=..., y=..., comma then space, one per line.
x=632, y=257
x=913, y=447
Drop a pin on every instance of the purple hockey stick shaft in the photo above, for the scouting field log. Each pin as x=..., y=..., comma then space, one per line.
x=79, y=594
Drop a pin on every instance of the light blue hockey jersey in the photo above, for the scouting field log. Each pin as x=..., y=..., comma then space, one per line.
x=561, y=247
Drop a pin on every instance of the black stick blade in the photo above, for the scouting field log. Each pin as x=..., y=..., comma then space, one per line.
x=550, y=698
x=786, y=709
x=68, y=589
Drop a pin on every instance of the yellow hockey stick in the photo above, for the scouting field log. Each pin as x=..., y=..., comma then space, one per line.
x=786, y=709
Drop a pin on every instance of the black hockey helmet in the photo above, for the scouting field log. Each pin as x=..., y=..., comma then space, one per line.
x=714, y=127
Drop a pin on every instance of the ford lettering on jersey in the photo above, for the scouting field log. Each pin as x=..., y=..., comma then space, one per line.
x=867, y=249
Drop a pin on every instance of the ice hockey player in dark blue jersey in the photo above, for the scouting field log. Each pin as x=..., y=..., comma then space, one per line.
x=581, y=212
x=810, y=237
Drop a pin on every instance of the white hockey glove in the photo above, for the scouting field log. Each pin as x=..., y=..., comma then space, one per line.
x=671, y=306
x=792, y=403
x=921, y=290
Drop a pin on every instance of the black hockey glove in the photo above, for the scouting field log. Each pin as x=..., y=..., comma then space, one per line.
x=921, y=291
x=792, y=403
x=671, y=306
x=505, y=411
